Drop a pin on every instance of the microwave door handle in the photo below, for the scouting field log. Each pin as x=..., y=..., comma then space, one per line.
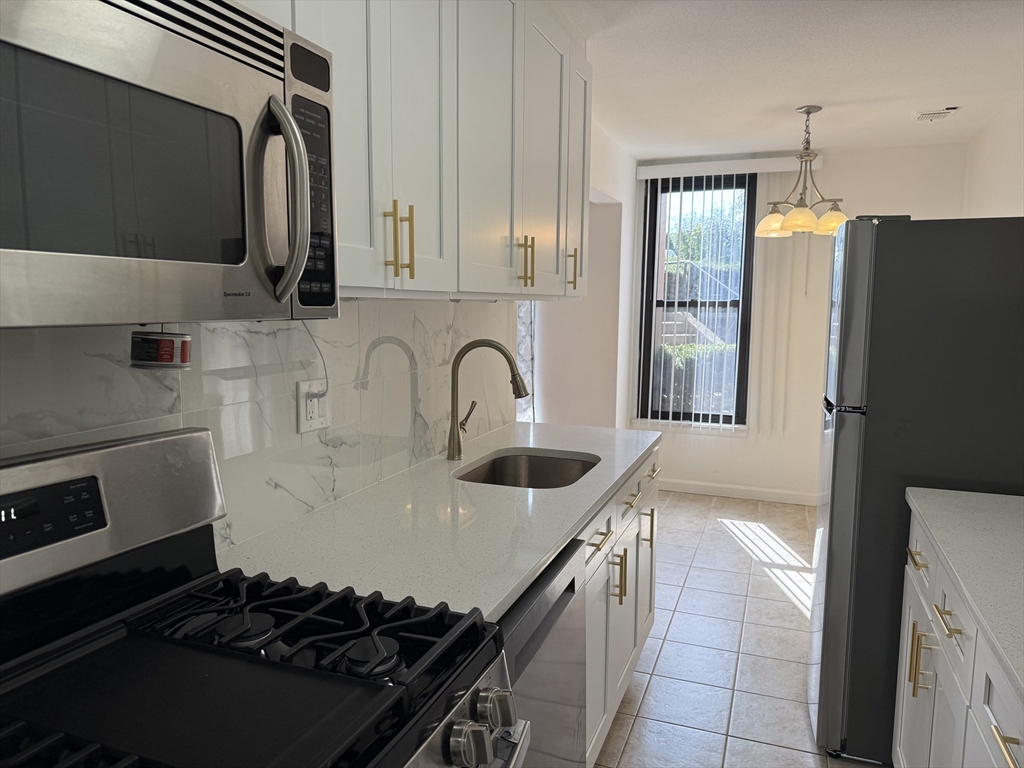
x=298, y=203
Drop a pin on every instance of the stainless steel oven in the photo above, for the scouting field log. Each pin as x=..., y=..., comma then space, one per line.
x=162, y=161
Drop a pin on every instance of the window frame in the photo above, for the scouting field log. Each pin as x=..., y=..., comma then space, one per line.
x=648, y=302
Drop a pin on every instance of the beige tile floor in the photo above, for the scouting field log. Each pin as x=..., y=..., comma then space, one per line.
x=722, y=681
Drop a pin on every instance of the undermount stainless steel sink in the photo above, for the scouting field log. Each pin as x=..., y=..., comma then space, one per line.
x=533, y=469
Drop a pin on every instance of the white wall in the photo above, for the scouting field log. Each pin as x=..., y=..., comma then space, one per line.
x=776, y=456
x=576, y=343
x=994, y=184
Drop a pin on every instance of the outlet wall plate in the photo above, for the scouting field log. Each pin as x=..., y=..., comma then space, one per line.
x=313, y=412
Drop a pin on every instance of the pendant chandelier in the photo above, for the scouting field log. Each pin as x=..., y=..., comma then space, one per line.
x=801, y=217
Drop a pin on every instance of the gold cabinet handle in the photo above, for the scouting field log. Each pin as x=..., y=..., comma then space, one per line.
x=396, y=236
x=912, y=665
x=533, y=262
x=411, y=264
x=605, y=537
x=916, y=670
x=914, y=554
x=525, y=277
x=575, y=256
x=946, y=626
x=651, y=515
x=1004, y=742
x=653, y=473
x=622, y=561
x=635, y=500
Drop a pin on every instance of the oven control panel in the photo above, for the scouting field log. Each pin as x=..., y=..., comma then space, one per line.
x=318, y=284
x=33, y=519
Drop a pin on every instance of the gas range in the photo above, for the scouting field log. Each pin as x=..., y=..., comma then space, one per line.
x=121, y=643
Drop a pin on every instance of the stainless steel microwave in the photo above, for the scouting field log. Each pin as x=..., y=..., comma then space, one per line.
x=162, y=161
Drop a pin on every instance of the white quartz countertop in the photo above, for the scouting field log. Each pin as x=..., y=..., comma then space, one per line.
x=981, y=536
x=425, y=534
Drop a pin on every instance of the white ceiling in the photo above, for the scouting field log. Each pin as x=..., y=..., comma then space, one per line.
x=685, y=78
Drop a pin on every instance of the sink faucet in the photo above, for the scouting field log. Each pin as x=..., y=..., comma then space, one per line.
x=518, y=390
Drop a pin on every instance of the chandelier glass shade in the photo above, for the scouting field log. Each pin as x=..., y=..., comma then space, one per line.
x=801, y=216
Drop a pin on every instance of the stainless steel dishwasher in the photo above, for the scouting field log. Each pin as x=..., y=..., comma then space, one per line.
x=545, y=647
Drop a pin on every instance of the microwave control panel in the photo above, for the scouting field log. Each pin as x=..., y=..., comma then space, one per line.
x=33, y=519
x=318, y=284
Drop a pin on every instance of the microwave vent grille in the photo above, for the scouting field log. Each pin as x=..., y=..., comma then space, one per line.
x=219, y=25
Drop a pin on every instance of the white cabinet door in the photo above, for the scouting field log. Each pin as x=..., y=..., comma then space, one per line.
x=949, y=715
x=578, y=180
x=598, y=715
x=648, y=521
x=343, y=29
x=276, y=10
x=542, y=152
x=622, y=613
x=915, y=704
x=490, y=45
x=424, y=163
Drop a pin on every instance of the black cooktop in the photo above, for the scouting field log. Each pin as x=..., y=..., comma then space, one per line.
x=245, y=671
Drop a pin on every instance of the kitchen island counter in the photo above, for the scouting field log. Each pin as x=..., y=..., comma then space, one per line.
x=426, y=534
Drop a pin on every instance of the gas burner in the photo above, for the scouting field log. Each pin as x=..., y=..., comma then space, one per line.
x=373, y=657
x=260, y=627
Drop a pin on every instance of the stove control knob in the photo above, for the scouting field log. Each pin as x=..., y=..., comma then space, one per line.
x=496, y=707
x=470, y=744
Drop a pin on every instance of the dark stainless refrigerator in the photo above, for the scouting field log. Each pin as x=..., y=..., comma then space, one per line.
x=924, y=387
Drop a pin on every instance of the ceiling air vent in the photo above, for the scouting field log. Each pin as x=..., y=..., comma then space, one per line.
x=937, y=114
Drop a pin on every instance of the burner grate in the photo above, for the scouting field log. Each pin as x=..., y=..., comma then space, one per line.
x=337, y=632
x=26, y=745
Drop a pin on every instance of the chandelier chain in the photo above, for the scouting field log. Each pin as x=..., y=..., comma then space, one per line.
x=807, y=131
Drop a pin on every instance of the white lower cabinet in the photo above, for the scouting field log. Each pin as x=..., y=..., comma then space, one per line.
x=976, y=751
x=620, y=601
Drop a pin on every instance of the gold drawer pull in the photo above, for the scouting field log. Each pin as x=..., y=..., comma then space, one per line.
x=635, y=500
x=651, y=515
x=946, y=627
x=605, y=536
x=1004, y=742
x=918, y=564
x=575, y=256
x=653, y=473
x=622, y=561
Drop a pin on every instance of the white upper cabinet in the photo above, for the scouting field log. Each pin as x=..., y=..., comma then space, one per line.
x=578, y=182
x=541, y=148
x=490, y=41
x=342, y=29
x=414, y=70
x=461, y=144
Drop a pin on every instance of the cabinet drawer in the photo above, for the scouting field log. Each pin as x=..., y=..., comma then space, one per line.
x=599, y=535
x=995, y=702
x=922, y=559
x=954, y=629
x=631, y=497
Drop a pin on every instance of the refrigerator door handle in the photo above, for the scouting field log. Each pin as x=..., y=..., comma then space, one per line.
x=829, y=407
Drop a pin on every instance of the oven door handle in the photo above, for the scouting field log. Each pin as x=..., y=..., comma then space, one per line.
x=298, y=202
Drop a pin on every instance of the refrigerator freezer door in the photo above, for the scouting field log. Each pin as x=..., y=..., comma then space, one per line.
x=842, y=435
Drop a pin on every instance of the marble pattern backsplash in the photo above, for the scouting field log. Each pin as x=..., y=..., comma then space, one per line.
x=389, y=368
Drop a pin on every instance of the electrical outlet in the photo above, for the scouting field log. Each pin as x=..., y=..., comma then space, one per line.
x=314, y=411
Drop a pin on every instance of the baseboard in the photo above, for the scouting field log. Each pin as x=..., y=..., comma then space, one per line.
x=738, y=491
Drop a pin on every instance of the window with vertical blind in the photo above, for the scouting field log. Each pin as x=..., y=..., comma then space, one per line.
x=698, y=243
